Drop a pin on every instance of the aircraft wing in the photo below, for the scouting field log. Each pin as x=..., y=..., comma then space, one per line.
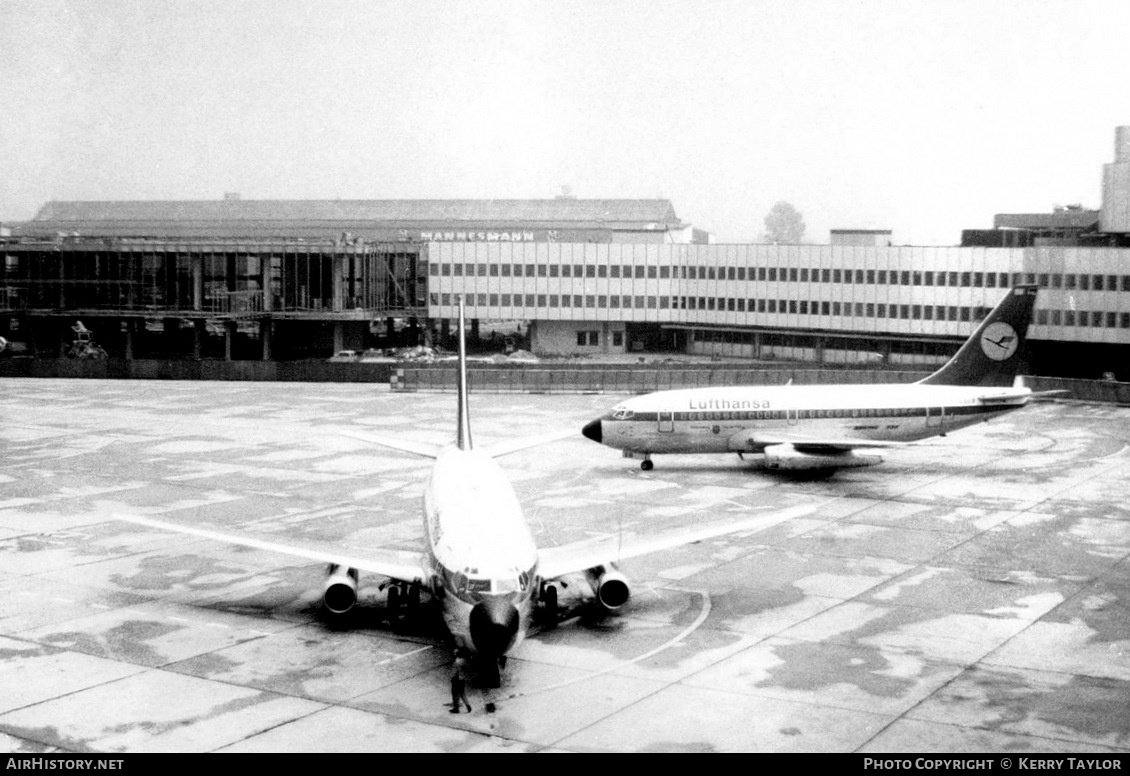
x=580, y=556
x=396, y=564
x=754, y=440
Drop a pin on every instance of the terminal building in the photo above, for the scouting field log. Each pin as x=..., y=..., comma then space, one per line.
x=241, y=279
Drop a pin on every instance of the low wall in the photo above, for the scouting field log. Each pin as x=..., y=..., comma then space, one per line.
x=1106, y=391
x=514, y=378
x=146, y=369
x=626, y=378
x=634, y=379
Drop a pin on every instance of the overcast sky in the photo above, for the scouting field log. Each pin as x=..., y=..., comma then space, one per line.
x=921, y=117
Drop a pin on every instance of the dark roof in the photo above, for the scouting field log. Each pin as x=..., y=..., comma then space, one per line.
x=1069, y=218
x=572, y=212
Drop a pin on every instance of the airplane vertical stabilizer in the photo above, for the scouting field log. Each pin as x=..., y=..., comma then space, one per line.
x=463, y=438
x=995, y=352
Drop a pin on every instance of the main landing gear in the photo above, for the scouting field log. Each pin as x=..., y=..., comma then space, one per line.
x=645, y=464
x=401, y=595
x=548, y=598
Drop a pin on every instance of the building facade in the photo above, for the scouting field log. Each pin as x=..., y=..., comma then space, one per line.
x=290, y=279
x=827, y=303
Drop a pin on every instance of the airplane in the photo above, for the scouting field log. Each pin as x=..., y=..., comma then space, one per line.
x=818, y=429
x=479, y=562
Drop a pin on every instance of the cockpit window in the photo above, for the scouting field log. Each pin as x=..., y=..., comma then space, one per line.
x=621, y=413
x=473, y=588
x=478, y=585
x=505, y=585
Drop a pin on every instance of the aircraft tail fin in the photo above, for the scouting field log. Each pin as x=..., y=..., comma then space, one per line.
x=463, y=434
x=994, y=354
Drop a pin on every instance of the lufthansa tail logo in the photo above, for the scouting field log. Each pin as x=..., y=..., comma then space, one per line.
x=999, y=341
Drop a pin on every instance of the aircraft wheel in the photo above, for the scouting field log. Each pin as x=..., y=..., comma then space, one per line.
x=393, y=599
x=414, y=597
x=647, y=465
x=549, y=601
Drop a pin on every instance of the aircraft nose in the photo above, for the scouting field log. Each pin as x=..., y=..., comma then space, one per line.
x=593, y=430
x=494, y=624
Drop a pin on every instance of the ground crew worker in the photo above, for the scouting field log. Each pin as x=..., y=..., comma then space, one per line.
x=459, y=684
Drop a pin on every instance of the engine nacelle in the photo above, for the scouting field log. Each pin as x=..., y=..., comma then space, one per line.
x=789, y=458
x=340, y=591
x=611, y=587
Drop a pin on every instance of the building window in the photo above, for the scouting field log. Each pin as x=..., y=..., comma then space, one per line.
x=617, y=339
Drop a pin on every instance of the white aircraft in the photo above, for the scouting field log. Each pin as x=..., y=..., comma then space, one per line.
x=821, y=428
x=479, y=562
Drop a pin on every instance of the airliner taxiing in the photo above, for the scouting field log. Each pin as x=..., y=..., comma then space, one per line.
x=479, y=562
x=821, y=428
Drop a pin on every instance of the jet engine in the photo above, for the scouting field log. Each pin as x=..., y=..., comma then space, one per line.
x=789, y=458
x=611, y=587
x=340, y=591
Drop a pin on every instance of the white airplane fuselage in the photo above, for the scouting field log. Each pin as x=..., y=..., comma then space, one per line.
x=480, y=556
x=733, y=419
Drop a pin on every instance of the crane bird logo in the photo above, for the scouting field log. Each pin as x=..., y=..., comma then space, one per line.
x=999, y=341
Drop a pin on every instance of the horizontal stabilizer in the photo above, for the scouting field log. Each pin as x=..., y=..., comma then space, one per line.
x=500, y=449
x=422, y=449
x=1016, y=397
x=1061, y=392
x=496, y=450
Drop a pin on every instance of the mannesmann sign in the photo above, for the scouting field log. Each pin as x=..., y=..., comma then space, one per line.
x=478, y=236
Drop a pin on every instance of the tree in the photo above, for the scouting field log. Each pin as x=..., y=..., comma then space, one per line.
x=784, y=224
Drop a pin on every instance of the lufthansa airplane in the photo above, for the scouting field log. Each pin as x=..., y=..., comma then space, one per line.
x=479, y=562
x=821, y=428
